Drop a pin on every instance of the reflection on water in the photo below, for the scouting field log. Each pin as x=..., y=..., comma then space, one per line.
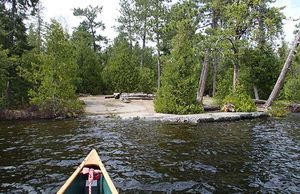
x=146, y=157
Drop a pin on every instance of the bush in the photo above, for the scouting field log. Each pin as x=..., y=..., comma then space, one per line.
x=165, y=102
x=241, y=100
x=278, y=109
x=291, y=90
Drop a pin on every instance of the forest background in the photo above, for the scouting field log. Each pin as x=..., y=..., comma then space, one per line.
x=230, y=50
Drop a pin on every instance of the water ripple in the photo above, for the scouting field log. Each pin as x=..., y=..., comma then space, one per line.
x=258, y=156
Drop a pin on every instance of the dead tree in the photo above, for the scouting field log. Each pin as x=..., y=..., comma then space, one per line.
x=202, y=80
x=284, y=71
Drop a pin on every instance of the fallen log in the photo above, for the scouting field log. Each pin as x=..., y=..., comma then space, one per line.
x=137, y=96
x=109, y=96
x=258, y=101
x=211, y=108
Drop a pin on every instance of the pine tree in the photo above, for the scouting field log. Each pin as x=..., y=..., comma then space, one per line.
x=90, y=24
x=127, y=21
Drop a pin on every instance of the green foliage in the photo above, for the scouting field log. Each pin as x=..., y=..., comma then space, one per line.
x=3, y=75
x=241, y=100
x=224, y=86
x=55, y=75
x=262, y=68
x=291, y=90
x=278, y=109
x=13, y=39
x=89, y=64
x=177, y=94
x=236, y=32
x=146, y=81
x=91, y=24
x=121, y=74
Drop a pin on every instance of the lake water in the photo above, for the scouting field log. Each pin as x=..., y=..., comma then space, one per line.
x=252, y=156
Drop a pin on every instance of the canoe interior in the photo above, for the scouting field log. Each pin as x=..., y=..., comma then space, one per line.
x=78, y=186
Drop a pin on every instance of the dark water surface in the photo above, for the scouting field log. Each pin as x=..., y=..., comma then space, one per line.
x=254, y=156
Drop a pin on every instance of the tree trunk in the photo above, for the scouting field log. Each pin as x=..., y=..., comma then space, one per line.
x=158, y=58
x=130, y=36
x=255, y=93
x=94, y=39
x=214, y=77
x=14, y=19
x=158, y=68
x=235, y=76
x=143, y=45
x=202, y=80
x=12, y=39
x=283, y=72
x=8, y=93
x=215, y=26
x=39, y=26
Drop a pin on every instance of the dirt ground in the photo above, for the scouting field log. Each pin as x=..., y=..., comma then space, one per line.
x=98, y=105
x=101, y=106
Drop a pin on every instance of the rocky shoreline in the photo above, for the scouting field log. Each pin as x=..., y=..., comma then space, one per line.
x=97, y=107
x=194, y=118
x=24, y=115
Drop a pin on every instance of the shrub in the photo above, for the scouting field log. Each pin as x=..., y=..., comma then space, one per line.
x=278, y=109
x=291, y=90
x=241, y=100
x=165, y=102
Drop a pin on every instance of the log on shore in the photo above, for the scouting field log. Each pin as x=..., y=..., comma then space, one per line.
x=211, y=108
x=109, y=96
x=136, y=96
x=258, y=101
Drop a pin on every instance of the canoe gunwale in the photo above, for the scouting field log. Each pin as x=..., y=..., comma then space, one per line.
x=92, y=159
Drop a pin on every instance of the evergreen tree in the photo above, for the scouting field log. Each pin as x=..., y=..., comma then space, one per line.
x=4, y=61
x=127, y=21
x=142, y=24
x=55, y=75
x=158, y=13
x=121, y=73
x=90, y=24
x=177, y=94
x=89, y=64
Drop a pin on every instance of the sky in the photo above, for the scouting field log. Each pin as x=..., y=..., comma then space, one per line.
x=62, y=10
